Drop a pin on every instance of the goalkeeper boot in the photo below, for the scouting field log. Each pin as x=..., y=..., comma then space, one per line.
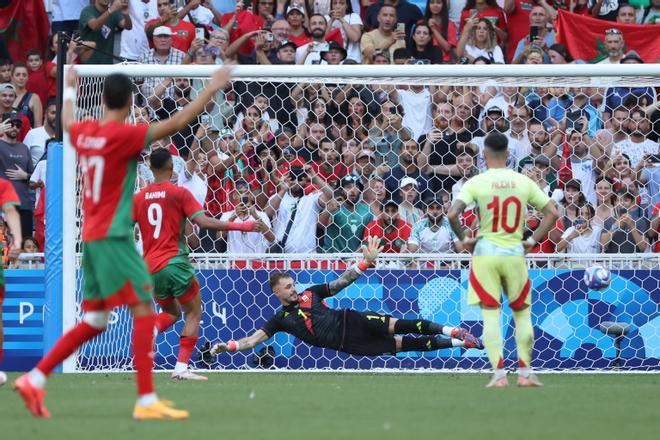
x=498, y=382
x=470, y=340
x=530, y=381
x=187, y=375
x=32, y=396
x=159, y=410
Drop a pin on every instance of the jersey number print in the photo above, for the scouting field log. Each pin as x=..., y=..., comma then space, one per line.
x=93, y=182
x=501, y=213
x=155, y=217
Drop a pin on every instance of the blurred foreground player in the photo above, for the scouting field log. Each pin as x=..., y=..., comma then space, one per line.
x=9, y=202
x=305, y=316
x=499, y=262
x=161, y=210
x=115, y=274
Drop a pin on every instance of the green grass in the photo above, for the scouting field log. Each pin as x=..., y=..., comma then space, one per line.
x=346, y=406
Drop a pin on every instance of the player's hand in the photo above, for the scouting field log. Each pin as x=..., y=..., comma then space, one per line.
x=220, y=78
x=371, y=250
x=72, y=77
x=220, y=347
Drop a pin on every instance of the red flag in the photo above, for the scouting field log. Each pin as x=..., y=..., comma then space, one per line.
x=24, y=25
x=585, y=37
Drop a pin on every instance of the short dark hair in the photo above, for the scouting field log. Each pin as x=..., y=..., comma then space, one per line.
x=276, y=278
x=117, y=89
x=51, y=101
x=535, y=121
x=496, y=141
x=33, y=52
x=159, y=158
x=326, y=140
x=401, y=53
x=5, y=62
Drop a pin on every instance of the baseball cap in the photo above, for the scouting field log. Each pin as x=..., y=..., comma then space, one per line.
x=7, y=87
x=333, y=45
x=408, y=181
x=632, y=55
x=365, y=153
x=295, y=7
x=285, y=43
x=11, y=116
x=350, y=179
x=573, y=183
x=542, y=160
x=390, y=202
x=495, y=109
x=162, y=30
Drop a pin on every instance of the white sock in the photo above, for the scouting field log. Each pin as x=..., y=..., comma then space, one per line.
x=446, y=330
x=499, y=373
x=457, y=343
x=147, y=399
x=180, y=367
x=524, y=371
x=37, y=378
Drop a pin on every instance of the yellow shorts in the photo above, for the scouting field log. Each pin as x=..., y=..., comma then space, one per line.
x=489, y=276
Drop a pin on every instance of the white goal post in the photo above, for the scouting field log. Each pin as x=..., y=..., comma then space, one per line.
x=571, y=322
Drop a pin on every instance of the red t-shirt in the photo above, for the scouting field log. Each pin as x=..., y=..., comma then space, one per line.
x=518, y=22
x=107, y=154
x=246, y=22
x=301, y=39
x=52, y=80
x=494, y=14
x=184, y=34
x=38, y=84
x=8, y=194
x=393, y=241
x=160, y=211
x=451, y=39
x=330, y=176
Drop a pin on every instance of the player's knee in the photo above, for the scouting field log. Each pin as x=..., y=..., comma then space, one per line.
x=398, y=343
x=98, y=320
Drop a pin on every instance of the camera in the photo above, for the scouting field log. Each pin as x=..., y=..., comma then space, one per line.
x=270, y=37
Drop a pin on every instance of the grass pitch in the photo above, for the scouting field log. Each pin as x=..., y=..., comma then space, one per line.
x=345, y=406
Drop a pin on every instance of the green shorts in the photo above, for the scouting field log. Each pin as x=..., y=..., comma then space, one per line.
x=490, y=275
x=175, y=281
x=114, y=274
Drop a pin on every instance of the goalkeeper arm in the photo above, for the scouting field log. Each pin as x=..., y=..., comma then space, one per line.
x=370, y=252
x=246, y=343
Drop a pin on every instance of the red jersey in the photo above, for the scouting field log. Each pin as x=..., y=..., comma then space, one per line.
x=451, y=39
x=330, y=175
x=184, y=34
x=494, y=14
x=8, y=194
x=518, y=22
x=160, y=211
x=52, y=80
x=108, y=155
x=246, y=22
x=393, y=241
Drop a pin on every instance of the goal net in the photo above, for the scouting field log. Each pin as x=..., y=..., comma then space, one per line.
x=383, y=150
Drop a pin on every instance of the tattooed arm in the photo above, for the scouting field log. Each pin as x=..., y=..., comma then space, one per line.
x=370, y=252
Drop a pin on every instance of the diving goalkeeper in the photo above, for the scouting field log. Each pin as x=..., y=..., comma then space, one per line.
x=305, y=316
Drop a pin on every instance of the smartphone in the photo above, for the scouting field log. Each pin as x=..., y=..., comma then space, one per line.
x=205, y=119
x=654, y=158
x=533, y=32
x=401, y=27
x=323, y=47
x=623, y=211
x=199, y=33
x=473, y=12
x=270, y=37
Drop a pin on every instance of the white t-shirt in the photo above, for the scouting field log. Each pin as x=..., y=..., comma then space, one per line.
x=64, y=10
x=246, y=242
x=585, y=172
x=302, y=236
x=200, y=15
x=194, y=183
x=516, y=152
x=39, y=175
x=433, y=241
x=496, y=53
x=135, y=42
x=35, y=140
x=635, y=151
x=584, y=244
x=353, y=51
x=311, y=57
x=417, y=111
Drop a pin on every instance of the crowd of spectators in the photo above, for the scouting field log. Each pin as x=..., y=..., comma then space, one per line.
x=325, y=165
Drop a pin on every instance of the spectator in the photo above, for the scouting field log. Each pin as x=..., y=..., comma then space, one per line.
x=581, y=238
x=637, y=145
x=347, y=219
x=443, y=29
x=517, y=18
x=100, y=22
x=614, y=131
x=26, y=102
x=310, y=53
x=218, y=43
x=406, y=12
x=648, y=171
x=604, y=9
x=221, y=109
x=247, y=242
x=38, y=181
x=495, y=120
x=134, y=42
x=625, y=234
x=389, y=133
x=183, y=32
x=6, y=67
x=65, y=15
x=519, y=116
x=358, y=119
x=328, y=167
x=37, y=137
x=390, y=228
x=478, y=39
x=374, y=195
x=295, y=16
x=559, y=54
x=464, y=169
x=477, y=10
x=286, y=54
x=365, y=165
x=16, y=166
x=417, y=102
x=581, y=114
x=296, y=214
x=615, y=45
x=407, y=168
x=37, y=82
x=7, y=98
x=381, y=56
x=349, y=23
x=533, y=55
x=421, y=45
x=542, y=144
x=626, y=14
x=335, y=55
x=432, y=234
x=386, y=37
x=542, y=37
x=193, y=176
x=649, y=14
x=409, y=196
x=606, y=201
x=201, y=13
x=162, y=53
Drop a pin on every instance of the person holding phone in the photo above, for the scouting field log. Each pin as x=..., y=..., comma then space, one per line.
x=626, y=234
x=582, y=238
x=386, y=37
x=183, y=32
x=100, y=22
x=476, y=10
x=201, y=13
x=539, y=36
x=247, y=242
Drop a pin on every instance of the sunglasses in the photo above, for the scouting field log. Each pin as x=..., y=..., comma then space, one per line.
x=613, y=31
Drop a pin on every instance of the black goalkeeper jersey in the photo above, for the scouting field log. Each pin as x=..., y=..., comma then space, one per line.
x=310, y=319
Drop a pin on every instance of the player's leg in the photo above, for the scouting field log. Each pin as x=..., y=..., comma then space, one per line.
x=164, y=296
x=398, y=326
x=485, y=290
x=191, y=303
x=517, y=287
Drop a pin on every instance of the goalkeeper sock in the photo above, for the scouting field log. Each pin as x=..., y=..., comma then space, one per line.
x=164, y=321
x=67, y=344
x=418, y=326
x=143, y=360
x=492, y=336
x=427, y=343
x=186, y=349
x=524, y=338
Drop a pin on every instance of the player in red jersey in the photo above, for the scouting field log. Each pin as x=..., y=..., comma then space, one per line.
x=9, y=201
x=115, y=274
x=161, y=210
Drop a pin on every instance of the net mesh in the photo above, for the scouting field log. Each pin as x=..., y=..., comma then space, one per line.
x=347, y=146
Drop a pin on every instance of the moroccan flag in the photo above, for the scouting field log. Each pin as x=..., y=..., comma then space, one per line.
x=585, y=37
x=24, y=26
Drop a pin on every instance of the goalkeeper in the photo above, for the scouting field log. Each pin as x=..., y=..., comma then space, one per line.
x=305, y=316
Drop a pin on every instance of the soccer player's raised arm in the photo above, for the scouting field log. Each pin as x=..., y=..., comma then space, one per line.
x=246, y=343
x=68, y=99
x=182, y=118
x=370, y=252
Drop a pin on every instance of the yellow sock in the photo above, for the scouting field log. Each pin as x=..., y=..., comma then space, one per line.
x=524, y=336
x=492, y=336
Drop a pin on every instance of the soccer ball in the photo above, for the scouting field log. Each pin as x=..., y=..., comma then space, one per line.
x=597, y=277
x=3, y=378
